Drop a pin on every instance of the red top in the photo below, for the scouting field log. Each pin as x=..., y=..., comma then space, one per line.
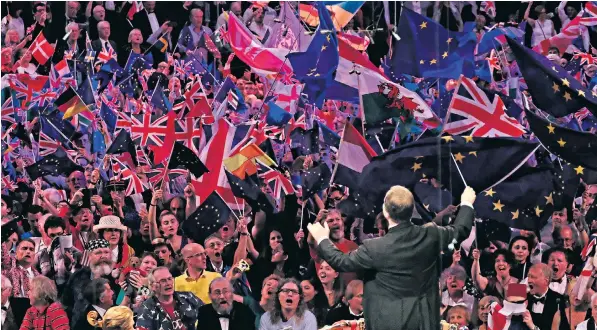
x=53, y=317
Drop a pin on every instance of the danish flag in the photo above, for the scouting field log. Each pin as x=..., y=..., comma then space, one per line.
x=41, y=49
x=484, y=118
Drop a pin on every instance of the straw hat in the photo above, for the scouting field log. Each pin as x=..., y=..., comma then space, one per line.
x=110, y=221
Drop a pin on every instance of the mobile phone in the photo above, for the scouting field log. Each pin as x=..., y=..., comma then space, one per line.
x=172, y=24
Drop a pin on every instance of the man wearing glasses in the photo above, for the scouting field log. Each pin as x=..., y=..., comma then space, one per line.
x=166, y=309
x=196, y=279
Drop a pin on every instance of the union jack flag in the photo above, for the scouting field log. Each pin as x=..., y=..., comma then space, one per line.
x=277, y=181
x=489, y=8
x=585, y=58
x=41, y=98
x=471, y=110
x=189, y=131
x=123, y=172
x=8, y=111
x=105, y=56
x=149, y=130
x=47, y=145
x=183, y=68
x=156, y=175
x=7, y=183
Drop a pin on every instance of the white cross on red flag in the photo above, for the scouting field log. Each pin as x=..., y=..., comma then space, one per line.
x=41, y=49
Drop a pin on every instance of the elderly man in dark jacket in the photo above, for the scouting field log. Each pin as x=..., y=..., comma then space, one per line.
x=402, y=267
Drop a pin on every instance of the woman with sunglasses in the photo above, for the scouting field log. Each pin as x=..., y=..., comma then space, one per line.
x=290, y=310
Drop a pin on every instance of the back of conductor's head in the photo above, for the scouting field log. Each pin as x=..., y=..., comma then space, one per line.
x=398, y=204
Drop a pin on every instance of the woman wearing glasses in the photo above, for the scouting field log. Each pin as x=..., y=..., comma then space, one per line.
x=290, y=310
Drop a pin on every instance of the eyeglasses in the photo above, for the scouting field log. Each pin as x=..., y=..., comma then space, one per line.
x=276, y=238
x=166, y=280
x=287, y=291
x=220, y=293
x=54, y=235
x=200, y=254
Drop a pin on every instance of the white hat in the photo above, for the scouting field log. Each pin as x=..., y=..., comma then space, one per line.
x=110, y=221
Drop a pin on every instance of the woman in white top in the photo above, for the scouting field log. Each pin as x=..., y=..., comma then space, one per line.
x=542, y=26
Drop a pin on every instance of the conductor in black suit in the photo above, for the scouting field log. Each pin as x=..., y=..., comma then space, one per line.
x=402, y=267
x=224, y=313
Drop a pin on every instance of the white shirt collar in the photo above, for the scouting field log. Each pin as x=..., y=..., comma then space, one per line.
x=100, y=310
x=353, y=313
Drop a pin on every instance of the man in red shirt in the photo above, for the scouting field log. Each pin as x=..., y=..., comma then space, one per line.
x=334, y=219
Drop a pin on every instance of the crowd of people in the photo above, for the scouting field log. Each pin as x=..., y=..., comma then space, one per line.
x=81, y=250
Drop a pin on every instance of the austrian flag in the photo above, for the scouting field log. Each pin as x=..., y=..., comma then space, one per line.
x=41, y=49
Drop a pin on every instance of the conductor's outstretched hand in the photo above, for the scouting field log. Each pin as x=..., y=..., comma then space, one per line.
x=468, y=195
x=318, y=231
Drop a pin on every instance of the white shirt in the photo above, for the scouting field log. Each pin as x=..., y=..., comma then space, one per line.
x=115, y=254
x=467, y=300
x=538, y=306
x=353, y=313
x=583, y=325
x=30, y=275
x=153, y=21
x=559, y=287
x=104, y=42
x=224, y=323
x=4, y=313
x=99, y=310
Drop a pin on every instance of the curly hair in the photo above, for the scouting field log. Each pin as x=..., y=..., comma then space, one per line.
x=43, y=290
x=118, y=318
x=276, y=313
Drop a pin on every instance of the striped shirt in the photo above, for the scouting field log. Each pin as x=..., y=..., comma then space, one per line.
x=53, y=317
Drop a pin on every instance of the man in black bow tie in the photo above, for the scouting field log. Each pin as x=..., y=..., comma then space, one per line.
x=547, y=307
x=224, y=313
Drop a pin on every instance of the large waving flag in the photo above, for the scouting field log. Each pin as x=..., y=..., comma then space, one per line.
x=267, y=61
x=383, y=99
x=316, y=67
x=552, y=88
x=290, y=33
x=471, y=110
x=341, y=11
x=427, y=49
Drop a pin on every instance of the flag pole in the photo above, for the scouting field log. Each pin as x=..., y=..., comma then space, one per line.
x=362, y=109
x=302, y=216
x=338, y=153
x=60, y=132
x=458, y=168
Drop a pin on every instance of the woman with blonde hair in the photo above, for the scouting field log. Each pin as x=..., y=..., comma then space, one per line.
x=116, y=318
x=45, y=313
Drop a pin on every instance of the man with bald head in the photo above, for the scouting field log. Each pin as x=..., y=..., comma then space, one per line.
x=404, y=264
x=546, y=307
x=196, y=279
x=223, y=312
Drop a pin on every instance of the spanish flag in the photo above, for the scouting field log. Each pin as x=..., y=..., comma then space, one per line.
x=244, y=161
x=70, y=103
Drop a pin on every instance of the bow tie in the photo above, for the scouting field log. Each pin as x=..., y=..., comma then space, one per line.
x=224, y=316
x=4, y=308
x=559, y=281
x=540, y=300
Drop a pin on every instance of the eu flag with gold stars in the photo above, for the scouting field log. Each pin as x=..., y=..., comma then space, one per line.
x=482, y=161
x=207, y=219
x=316, y=67
x=524, y=201
x=52, y=165
x=578, y=148
x=552, y=88
x=427, y=49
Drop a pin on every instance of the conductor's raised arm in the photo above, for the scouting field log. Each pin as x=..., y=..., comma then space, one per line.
x=461, y=228
x=351, y=262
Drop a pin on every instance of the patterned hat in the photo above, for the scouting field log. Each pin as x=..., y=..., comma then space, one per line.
x=110, y=221
x=97, y=244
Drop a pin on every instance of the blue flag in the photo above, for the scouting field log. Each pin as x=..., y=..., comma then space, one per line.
x=85, y=91
x=108, y=116
x=159, y=99
x=55, y=127
x=553, y=89
x=316, y=67
x=427, y=49
x=277, y=116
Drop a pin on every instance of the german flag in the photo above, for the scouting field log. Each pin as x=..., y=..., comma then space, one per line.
x=70, y=103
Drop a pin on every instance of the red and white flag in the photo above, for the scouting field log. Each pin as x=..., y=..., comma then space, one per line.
x=489, y=8
x=41, y=49
x=136, y=6
x=474, y=111
x=354, y=154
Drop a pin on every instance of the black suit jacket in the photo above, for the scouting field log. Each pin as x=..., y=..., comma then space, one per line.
x=97, y=45
x=402, y=270
x=554, y=302
x=241, y=318
x=10, y=323
x=340, y=313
